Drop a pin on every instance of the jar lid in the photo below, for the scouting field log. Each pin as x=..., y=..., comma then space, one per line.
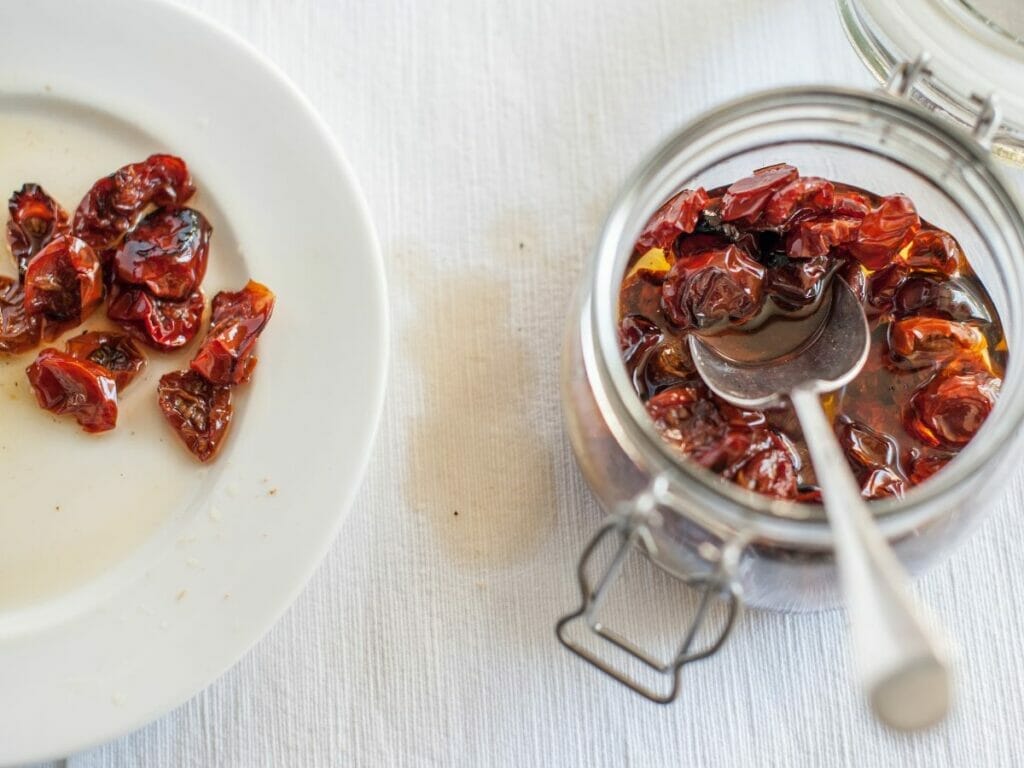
x=974, y=54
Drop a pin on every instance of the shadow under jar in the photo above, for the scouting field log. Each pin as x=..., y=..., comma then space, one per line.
x=730, y=543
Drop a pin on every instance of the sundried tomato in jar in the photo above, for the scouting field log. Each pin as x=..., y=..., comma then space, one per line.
x=713, y=287
x=948, y=411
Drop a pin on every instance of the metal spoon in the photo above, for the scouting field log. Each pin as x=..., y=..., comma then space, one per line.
x=902, y=662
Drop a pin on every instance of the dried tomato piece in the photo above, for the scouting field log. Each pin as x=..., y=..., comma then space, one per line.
x=884, y=231
x=746, y=198
x=883, y=285
x=19, y=330
x=677, y=216
x=924, y=466
x=64, y=384
x=198, y=411
x=933, y=251
x=931, y=340
x=238, y=319
x=866, y=448
x=882, y=483
x=853, y=274
x=818, y=235
x=64, y=282
x=770, y=471
x=36, y=218
x=115, y=202
x=712, y=288
x=115, y=352
x=807, y=193
x=166, y=253
x=850, y=202
x=161, y=323
x=637, y=334
x=797, y=283
x=667, y=364
x=934, y=296
x=948, y=411
x=714, y=435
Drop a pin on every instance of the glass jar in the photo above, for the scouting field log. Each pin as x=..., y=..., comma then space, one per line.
x=728, y=542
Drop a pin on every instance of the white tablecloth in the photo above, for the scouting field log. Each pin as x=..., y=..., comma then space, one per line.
x=490, y=139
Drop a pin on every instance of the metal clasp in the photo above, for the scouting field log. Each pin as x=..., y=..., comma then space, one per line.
x=631, y=525
x=907, y=75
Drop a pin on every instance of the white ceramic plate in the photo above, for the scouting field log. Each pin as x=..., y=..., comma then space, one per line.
x=131, y=576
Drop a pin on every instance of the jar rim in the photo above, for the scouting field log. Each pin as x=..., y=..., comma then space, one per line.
x=776, y=520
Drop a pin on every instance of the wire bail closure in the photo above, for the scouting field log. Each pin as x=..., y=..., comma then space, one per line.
x=631, y=522
x=907, y=75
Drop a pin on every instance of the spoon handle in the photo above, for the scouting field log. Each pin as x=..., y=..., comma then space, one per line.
x=901, y=659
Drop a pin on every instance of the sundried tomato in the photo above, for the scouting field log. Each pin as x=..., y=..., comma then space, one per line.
x=884, y=231
x=664, y=365
x=882, y=483
x=853, y=274
x=746, y=198
x=933, y=296
x=883, y=285
x=161, y=323
x=948, y=411
x=797, y=283
x=115, y=202
x=64, y=384
x=865, y=447
x=115, y=352
x=36, y=218
x=770, y=472
x=63, y=282
x=712, y=288
x=198, y=411
x=850, y=202
x=818, y=235
x=804, y=194
x=166, y=253
x=238, y=319
x=675, y=217
x=932, y=340
x=924, y=466
x=933, y=251
x=19, y=330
